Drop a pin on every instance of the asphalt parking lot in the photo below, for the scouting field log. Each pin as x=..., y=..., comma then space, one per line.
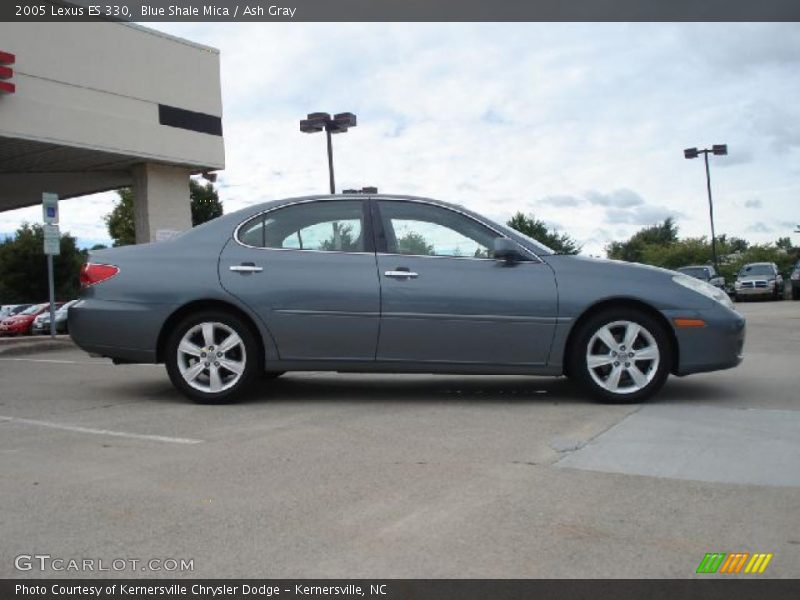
x=327, y=475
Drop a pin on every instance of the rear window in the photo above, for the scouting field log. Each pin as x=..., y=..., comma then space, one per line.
x=324, y=226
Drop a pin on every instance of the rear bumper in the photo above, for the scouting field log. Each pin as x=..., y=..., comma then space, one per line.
x=122, y=330
x=716, y=346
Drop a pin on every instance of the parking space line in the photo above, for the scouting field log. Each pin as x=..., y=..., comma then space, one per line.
x=109, y=432
x=53, y=360
x=76, y=362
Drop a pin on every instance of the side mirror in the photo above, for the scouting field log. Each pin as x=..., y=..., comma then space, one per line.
x=506, y=250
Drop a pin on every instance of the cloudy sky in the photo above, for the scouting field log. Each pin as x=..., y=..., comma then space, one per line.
x=581, y=124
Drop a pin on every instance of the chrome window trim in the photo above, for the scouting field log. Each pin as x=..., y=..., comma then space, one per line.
x=530, y=252
x=274, y=208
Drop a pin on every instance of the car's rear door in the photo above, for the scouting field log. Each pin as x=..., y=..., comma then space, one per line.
x=446, y=300
x=308, y=269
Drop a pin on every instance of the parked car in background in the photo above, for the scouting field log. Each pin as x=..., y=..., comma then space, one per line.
x=41, y=324
x=21, y=323
x=393, y=284
x=9, y=310
x=795, y=279
x=759, y=280
x=705, y=273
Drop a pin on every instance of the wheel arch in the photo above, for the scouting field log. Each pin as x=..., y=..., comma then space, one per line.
x=206, y=304
x=620, y=302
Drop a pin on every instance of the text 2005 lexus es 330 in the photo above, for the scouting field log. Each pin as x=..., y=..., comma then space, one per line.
x=397, y=285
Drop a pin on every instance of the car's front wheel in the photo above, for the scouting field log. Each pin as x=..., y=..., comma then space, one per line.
x=621, y=355
x=212, y=357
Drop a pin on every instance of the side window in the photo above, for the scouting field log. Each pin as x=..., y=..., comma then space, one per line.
x=334, y=226
x=422, y=229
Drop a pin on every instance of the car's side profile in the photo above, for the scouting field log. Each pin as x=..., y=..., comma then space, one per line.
x=393, y=284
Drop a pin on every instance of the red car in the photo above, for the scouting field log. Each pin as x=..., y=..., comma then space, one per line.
x=21, y=323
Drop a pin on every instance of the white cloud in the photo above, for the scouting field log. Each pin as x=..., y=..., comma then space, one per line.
x=507, y=117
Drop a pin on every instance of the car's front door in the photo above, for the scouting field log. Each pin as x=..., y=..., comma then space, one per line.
x=444, y=299
x=308, y=270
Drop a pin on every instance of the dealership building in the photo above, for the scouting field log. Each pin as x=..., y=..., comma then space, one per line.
x=96, y=106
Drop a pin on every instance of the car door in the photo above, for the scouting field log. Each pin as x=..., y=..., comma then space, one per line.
x=444, y=299
x=308, y=270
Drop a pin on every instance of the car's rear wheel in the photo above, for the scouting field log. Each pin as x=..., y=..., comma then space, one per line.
x=621, y=355
x=212, y=357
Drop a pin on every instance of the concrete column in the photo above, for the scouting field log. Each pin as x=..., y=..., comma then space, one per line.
x=161, y=204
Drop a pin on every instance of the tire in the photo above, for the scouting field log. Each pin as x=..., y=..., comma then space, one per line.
x=795, y=293
x=201, y=364
x=637, y=379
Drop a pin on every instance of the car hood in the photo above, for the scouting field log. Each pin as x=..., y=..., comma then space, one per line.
x=611, y=264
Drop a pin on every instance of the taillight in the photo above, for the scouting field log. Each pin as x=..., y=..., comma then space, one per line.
x=92, y=273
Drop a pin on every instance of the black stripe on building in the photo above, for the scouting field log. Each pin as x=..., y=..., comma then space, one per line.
x=188, y=119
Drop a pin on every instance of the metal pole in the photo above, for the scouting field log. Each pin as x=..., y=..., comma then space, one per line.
x=711, y=214
x=51, y=285
x=330, y=160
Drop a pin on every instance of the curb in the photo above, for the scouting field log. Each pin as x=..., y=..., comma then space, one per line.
x=33, y=346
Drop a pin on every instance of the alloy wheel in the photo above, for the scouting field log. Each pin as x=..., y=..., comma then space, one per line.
x=622, y=357
x=211, y=357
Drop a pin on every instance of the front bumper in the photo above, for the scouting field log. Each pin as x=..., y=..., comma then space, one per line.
x=755, y=292
x=716, y=346
x=13, y=329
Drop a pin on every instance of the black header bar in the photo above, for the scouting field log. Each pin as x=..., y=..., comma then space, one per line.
x=711, y=588
x=400, y=10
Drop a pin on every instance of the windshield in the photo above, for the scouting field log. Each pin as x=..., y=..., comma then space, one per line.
x=749, y=270
x=696, y=272
x=32, y=310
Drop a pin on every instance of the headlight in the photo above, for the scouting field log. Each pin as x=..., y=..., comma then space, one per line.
x=771, y=283
x=701, y=287
x=738, y=284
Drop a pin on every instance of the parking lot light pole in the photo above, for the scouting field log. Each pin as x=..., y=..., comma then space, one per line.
x=719, y=150
x=339, y=123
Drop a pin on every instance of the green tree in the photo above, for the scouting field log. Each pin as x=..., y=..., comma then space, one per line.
x=659, y=245
x=119, y=221
x=205, y=205
x=414, y=243
x=538, y=230
x=23, y=267
x=341, y=239
x=633, y=250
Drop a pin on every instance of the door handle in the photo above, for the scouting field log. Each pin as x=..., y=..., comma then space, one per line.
x=246, y=268
x=400, y=274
